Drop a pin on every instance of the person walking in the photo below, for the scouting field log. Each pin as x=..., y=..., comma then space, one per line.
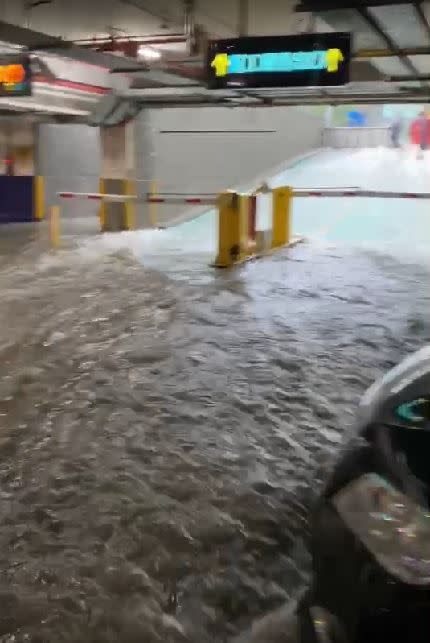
x=395, y=131
x=423, y=133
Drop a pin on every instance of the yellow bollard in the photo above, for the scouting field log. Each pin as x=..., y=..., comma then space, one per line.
x=233, y=215
x=130, y=207
x=245, y=246
x=54, y=226
x=281, y=216
x=38, y=197
x=153, y=191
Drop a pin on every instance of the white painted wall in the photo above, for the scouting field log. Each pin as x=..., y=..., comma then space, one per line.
x=210, y=149
x=191, y=150
x=69, y=157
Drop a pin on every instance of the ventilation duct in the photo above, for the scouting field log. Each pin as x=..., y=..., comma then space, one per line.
x=113, y=110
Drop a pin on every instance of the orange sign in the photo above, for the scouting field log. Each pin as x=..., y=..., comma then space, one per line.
x=15, y=75
x=12, y=74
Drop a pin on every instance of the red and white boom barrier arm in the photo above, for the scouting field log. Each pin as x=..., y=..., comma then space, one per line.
x=381, y=194
x=211, y=199
x=183, y=200
x=208, y=199
x=96, y=196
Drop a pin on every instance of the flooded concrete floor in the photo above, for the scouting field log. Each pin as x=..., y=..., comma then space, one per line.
x=161, y=441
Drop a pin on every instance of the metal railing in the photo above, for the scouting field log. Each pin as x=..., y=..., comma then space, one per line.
x=356, y=137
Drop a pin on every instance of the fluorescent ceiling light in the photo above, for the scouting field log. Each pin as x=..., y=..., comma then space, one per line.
x=148, y=53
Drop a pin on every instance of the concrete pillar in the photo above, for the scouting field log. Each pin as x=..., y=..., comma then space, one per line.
x=119, y=174
x=128, y=167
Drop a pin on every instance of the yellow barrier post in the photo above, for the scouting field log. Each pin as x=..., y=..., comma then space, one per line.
x=39, y=197
x=102, y=210
x=233, y=229
x=54, y=226
x=153, y=191
x=281, y=216
x=130, y=207
x=244, y=224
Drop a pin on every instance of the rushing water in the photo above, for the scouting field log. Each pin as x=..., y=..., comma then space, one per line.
x=162, y=438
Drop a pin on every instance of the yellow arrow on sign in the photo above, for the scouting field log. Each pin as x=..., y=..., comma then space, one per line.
x=220, y=63
x=333, y=59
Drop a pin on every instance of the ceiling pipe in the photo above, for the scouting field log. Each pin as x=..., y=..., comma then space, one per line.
x=129, y=47
x=388, y=53
x=334, y=5
x=162, y=41
x=130, y=44
x=401, y=78
x=156, y=39
x=152, y=39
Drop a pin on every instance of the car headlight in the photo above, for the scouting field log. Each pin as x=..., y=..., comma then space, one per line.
x=391, y=526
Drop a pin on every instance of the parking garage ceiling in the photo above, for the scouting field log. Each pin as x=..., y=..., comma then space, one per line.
x=391, y=41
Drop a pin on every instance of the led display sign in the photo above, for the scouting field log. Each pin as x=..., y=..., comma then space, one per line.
x=305, y=60
x=15, y=75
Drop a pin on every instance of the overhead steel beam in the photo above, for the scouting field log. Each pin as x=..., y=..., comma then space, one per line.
x=208, y=97
x=388, y=53
x=319, y=6
x=418, y=6
x=335, y=5
x=396, y=98
x=377, y=28
x=407, y=79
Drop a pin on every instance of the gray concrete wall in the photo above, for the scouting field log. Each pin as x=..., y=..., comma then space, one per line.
x=211, y=149
x=191, y=150
x=69, y=157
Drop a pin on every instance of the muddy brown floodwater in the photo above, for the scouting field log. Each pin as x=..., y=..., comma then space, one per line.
x=161, y=441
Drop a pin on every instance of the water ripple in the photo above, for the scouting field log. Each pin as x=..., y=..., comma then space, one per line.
x=162, y=441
